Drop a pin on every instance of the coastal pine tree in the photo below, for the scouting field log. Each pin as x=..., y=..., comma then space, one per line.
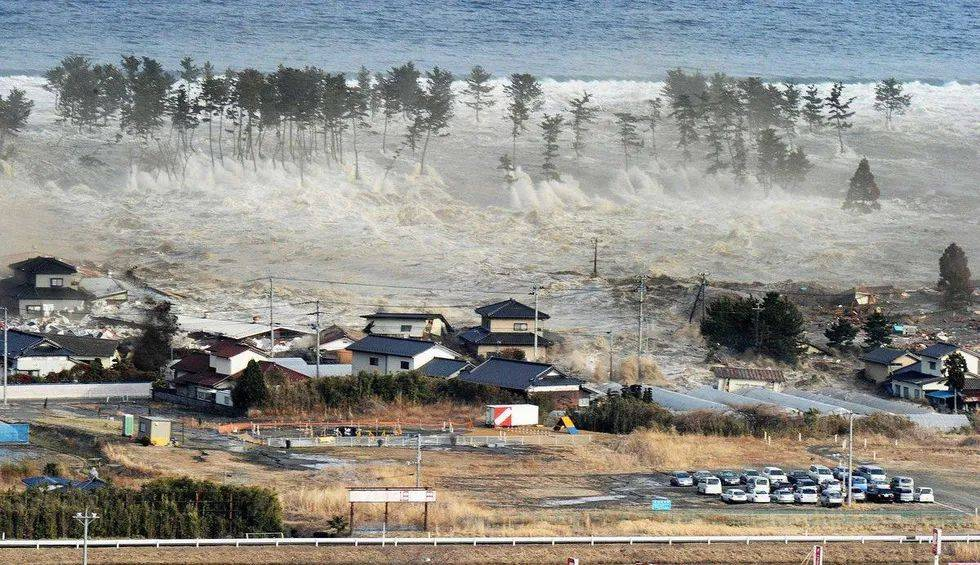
x=863, y=192
x=189, y=72
x=955, y=369
x=629, y=136
x=212, y=99
x=770, y=155
x=794, y=168
x=478, y=90
x=762, y=103
x=76, y=88
x=839, y=111
x=112, y=91
x=686, y=117
x=355, y=112
x=15, y=109
x=406, y=83
x=877, y=331
x=375, y=98
x=183, y=116
x=813, y=105
x=841, y=333
x=740, y=155
x=249, y=86
x=148, y=86
x=525, y=93
x=652, y=119
x=550, y=130
x=889, y=99
x=955, y=279
x=583, y=113
x=507, y=166
x=436, y=107
x=678, y=83
x=155, y=346
x=390, y=104
x=789, y=107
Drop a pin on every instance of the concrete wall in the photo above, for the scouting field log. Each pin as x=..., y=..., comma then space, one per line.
x=88, y=390
x=732, y=385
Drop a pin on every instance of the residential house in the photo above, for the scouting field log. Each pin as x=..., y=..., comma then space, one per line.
x=334, y=341
x=445, y=368
x=42, y=286
x=529, y=378
x=416, y=325
x=507, y=325
x=881, y=362
x=380, y=354
x=969, y=396
x=912, y=384
x=38, y=354
x=731, y=379
x=934, y=356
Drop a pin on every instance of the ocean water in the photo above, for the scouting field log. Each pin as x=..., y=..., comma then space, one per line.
x=856, y=40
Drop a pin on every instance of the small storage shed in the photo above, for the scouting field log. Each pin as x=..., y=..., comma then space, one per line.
x=155, y=429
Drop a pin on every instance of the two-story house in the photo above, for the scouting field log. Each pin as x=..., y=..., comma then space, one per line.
x=416, y=325
x=507, y=325
x=42, y=286
x=384, y=355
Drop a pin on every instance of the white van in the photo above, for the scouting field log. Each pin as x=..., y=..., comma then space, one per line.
x=710, y=485
x=758, y=483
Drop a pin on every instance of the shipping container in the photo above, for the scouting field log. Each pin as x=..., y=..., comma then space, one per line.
x=156, y=430
x=511, y=415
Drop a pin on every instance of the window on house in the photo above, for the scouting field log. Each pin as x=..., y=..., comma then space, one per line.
x=373, y=361
x=906, y=392
x=407, y=328
x=520, y=326
x=932, y=365
x=405, y=365
x=57, y=282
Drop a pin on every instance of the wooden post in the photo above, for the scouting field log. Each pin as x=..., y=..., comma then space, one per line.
x=386, y=517
x=425, y=517
x=351, y=519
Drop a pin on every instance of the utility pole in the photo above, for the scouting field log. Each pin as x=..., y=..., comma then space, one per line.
x=639, y=328
x=418, y=461
x=534, y=291
x=5, y=359
x=699, y=297
x=609, y=339
x=850, y=458
x=272, y=329
x=595, y=257
x=85, y=519
x=757, y=309
x=317, y=338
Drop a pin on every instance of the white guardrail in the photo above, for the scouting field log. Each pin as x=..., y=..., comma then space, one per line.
x=436, y=541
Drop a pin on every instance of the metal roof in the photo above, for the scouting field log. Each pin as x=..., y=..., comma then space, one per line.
x=937, y=350
x=445, y=368
x=797, y=402
x=518, y=375
x=942, y=422
x=895, y=407
x=730, y=398
x=680, y=402
x=481, y=336
x=855, y=407
x=883, y=355
x=510, y=309
x=230, y=328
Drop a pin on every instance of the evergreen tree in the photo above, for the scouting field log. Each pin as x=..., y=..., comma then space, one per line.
x=789, y=107
x=550, y=130
x=813, y=105
x=390, y=102
x=189, y=72
x=678, y=84
x=839, y=111
x=405, y=80
x=841, y=333
x=14, y=111
x=375, y=97
x=877, y=331
x=436, y=107
x=249, y=87
x=155, y=347
x=355, y=112
x=583, y=114
x=686, y=117
x=525, y=93
x=652, y=119
x=794, y=168
x=112, y=91
x=213, y=99
x=955, y=369
x=771, y=154
x=955, y=279
x=740, y=156
x=251, y=389
x=478, y=90
x=148, y=87
x=183, y=115
x=762, y=103
x=890, y=100
x=863, y=192
x=774, y=327
x=76, y=88
x=629, y=136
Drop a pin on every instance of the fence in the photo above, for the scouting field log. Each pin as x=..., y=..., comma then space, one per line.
x=94, y=391
x=555, y=440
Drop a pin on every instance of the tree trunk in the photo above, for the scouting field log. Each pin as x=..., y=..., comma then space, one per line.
x=384, y=137
x=357, y=164
x=211, y=141
x=425, y=148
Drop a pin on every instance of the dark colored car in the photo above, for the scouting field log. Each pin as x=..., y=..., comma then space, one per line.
x=729, y=478
x=681, y=479
x=878, y=493
x=797, y=475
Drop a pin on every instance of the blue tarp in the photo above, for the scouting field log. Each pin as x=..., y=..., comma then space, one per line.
x=939, y=394
x=14, y=433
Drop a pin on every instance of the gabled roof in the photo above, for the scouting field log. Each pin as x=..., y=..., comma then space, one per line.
x=335, y=332
x=883, y=355
x=518, y=375
x=84, y=346
x=19, y=341
x=44, y=266
x=397, y=346
x=33, y=344
x=938, y=350
x=917, y=378
x=405, y=316
x=445, y=368
x=228, y=349
x=971, y=383
x=194, y=362
x=750, y=374
x=482, y=336
x=510, y=309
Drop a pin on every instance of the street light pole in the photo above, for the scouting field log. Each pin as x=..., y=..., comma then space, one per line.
x=850, y=459
x=85, y=519
x=5, y=359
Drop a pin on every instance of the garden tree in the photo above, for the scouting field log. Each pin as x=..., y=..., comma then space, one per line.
x=583, y=113
x=629, y=135
x=794, y=168
x=839, y=111
x=507, y=166
x=525, y=93
x=390, y=103
x=954, y=369
x=877, y=330
x=955, y=279
x=813, y=105
x=773, y=326
x=686, y=117
x=435, y=108
x=862, y=192
x=154, y=348
x=789, y=107
x=355, y=112
x=14, y=111
x=212, y=100
x=841, y=333
x=678, y=84
x=652, y=119
x=890, y=100
x=478, y=89
x=251, y=389
x=550, y=130
x=76, y=88
x=770, y=156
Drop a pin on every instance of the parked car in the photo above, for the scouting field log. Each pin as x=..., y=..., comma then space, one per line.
x=871, y=472
x=759, y=495
x=879, y=492
x=681, y=479
x=902, y=482
x=923, y=494
x=858, y=482
x=784, y=496
x=699, y=476
x=758, y=483
x=797, y=475
x=803, y=483
x=747, y=473
x=858, y=495
x=840, y=472
x=710, y=485
x=904, y=494
x=832, y=485
x=820, y=473
x=806, y=495
x=775, y=475
x=831, y=499
x=733, y=496
x=729, y=478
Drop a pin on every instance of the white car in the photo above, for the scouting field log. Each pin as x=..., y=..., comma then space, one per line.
x=733, y=496
x=873, y=473
x=775, y=475
x=807, y=495
x=758, y=483
x=710, y=485
x=758, y=496
x=831, y=499
x=833, y=485
x=858, y=495
x=784, y=496
x=820, y=473
x=924, y=494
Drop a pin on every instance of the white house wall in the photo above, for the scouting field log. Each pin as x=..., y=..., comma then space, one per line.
x=43, y=365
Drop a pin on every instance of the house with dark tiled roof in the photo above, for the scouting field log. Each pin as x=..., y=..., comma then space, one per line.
x=39, y=354
x=42, y=286
x=731, y=379
x=507, y=325
x=384, y=355
x=445, y=368
x=934, y=356
x=527, y=377
x=416, y=325
x=881, y=362
x=912, y=384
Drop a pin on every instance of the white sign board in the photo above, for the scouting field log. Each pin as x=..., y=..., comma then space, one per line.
x=391, y=495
